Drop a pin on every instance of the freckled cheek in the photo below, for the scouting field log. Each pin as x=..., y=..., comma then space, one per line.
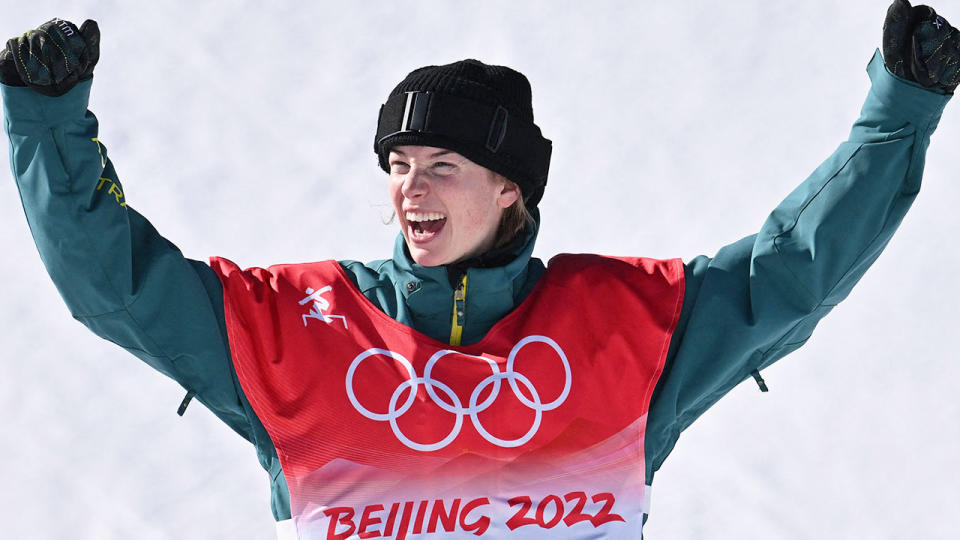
x=393, y=188
x=474, y=219
x=396, y=197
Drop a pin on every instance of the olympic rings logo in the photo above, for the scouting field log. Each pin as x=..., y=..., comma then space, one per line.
x=452, y=403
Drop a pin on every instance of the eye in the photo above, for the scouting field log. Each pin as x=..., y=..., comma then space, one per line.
x=398, y=166
x=443, y=167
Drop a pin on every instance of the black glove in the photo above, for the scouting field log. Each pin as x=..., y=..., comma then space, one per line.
x=921, y=46
x=53, y=58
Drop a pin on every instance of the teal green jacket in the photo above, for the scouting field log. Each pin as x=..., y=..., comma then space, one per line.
x=755, y=301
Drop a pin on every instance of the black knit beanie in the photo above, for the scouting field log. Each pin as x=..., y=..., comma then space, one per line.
x=481, y=111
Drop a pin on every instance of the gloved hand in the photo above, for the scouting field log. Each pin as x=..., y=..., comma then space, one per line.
x=53, y=58
x=921, y=46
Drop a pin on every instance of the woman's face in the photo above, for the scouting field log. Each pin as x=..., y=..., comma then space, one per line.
x=448, y=206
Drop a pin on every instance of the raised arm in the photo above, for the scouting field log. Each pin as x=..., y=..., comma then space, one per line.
x=760, y=298
x=118, y=276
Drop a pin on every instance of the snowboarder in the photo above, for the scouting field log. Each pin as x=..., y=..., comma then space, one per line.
x=462, y=386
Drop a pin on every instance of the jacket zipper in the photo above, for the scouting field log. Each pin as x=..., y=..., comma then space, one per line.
x=459, y=299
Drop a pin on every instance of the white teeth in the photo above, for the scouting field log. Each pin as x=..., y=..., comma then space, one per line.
x=423, y=216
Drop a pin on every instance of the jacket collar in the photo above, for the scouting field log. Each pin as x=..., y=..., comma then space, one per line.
x=492, y=291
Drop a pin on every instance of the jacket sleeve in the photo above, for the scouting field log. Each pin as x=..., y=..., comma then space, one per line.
x=760, y=298
x=117, y=275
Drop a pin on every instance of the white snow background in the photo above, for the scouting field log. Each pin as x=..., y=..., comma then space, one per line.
x=245, y=129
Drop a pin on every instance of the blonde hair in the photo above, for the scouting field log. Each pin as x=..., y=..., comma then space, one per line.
x=513, y=219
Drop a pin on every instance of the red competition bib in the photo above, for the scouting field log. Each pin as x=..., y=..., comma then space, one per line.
x=385, y=432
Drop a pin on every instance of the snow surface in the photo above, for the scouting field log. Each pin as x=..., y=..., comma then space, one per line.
x=245, y=129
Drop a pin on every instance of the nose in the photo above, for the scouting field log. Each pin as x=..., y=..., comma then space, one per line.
x=414, y=184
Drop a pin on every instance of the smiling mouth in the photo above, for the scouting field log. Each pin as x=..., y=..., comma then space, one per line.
x=425, y=226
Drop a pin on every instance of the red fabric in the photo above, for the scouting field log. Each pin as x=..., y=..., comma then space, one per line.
x=554, y=398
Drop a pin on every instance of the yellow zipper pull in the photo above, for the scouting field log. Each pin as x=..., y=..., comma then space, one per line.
x=459, y=298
